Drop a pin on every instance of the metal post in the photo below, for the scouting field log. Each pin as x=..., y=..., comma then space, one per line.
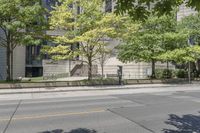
x=189, y=73
x=119, y=73
x=191, y=43
x=69, y=68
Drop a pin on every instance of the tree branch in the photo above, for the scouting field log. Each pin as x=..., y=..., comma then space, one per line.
x=3, y=45
x=5, y=31
x=14, y=46
x=3, y=42
x=85, y=61
x=84, y=50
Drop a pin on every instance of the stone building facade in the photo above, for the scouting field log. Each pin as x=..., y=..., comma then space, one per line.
x=18, y=61
x=184, y=11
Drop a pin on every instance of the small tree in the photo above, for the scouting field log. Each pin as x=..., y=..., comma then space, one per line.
x=191, y=26
x=187, y=32
x=102, y=57
x=20, y=23
x=87, y=28
x=148, y=42
x=142, y=48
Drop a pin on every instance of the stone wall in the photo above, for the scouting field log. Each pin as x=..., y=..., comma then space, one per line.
x=131, y=70
x=58, y=67
x=55, y=67
x=19, y=62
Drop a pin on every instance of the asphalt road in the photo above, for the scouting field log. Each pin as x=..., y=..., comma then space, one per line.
x=160, y=112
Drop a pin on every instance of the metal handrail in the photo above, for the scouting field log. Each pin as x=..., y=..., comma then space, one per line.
x=78, y=66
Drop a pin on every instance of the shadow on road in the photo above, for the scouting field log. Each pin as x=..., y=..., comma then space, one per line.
x=78, y=130
x=184, y=124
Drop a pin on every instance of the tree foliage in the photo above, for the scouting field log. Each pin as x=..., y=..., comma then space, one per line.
x=88, y=29
x=140, y=9
x=59, y=52
x=188, y=29
x=20, y=23
x=182, y=55
x=191, y=25
x=153, y=38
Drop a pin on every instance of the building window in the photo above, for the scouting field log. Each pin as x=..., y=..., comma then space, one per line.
x=32, y=53
x=108, y=5
x=51, y=3
x=78, y=10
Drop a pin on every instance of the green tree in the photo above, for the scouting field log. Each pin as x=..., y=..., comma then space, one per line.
x=150, y=41
x=88, y=29
x=103, y=56
x=143, y=48
x=188, y=32
x=182, y=55
x=173, y=40
x=191, y=25
x=19, y=24
x=141, y=9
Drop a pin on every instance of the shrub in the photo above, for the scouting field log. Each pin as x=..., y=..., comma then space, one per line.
x=164, y=73
x=158, y=73
x=196, y=74
x=181, y=73
x=167, y=73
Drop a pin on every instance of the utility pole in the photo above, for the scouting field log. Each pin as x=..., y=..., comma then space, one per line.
x=191, y=43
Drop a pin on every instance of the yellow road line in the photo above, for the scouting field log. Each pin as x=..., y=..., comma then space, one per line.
x=52, y=115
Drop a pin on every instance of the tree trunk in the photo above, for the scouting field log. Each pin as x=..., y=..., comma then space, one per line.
x=8, y=78
x=194, y=67
x=153, y=76
x=194, y=70
x=198, y=66
x=11, y=65
x=167, y=76
x=102, y=65
x=167, y=65
x=102, y=70
x=89, y=69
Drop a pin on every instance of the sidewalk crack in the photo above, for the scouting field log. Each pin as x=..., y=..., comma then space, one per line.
x=4, y=131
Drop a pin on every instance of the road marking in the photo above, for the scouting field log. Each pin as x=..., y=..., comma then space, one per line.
x=60, y=100
x=53, y=115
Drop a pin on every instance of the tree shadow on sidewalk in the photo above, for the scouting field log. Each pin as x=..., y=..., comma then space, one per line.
x=185, y=124
x=78, y=130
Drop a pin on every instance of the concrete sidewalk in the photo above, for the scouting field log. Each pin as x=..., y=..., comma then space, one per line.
x=83, y=88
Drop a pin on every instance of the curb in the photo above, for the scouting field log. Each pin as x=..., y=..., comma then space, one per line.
x=98, y=89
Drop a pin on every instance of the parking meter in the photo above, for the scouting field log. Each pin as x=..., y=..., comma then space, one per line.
x=119, y=73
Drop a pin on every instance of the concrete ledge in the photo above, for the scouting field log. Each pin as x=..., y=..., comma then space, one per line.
x=90, y=83
x=57, y=84
x=155, y=81
x=83, y=88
